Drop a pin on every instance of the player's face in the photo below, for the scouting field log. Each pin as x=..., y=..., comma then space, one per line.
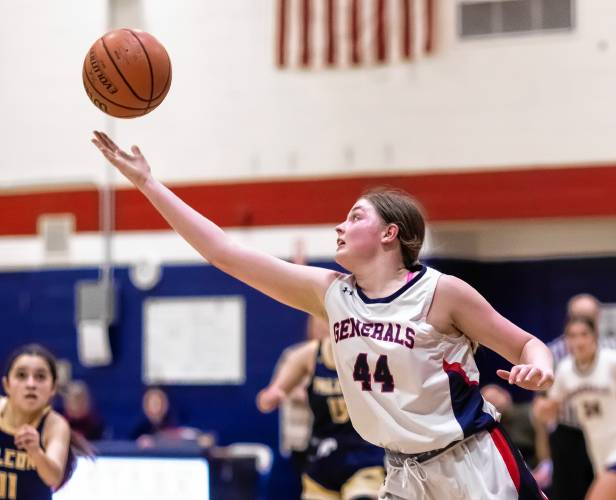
x=359, y=235
x=581, y=342
x=29, y=384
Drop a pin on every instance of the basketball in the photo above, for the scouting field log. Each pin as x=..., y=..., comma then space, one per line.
x=127, y=73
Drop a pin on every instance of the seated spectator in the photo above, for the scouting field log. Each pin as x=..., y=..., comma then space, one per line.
x=80, y=413
x=159, y=425
x=157, y=417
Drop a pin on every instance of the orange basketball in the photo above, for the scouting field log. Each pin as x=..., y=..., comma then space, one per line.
x=127, y=73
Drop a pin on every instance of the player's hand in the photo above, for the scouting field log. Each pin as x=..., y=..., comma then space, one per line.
x=529, y=377
x=269, y=399
x=133, y=166
x=27, y=438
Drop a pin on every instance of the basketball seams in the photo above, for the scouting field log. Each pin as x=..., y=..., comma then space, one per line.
x=102, y=39
x=147, y=55
x=92, y=85
x=167, y=83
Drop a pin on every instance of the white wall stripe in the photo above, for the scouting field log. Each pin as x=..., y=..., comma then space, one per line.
x=471, y=240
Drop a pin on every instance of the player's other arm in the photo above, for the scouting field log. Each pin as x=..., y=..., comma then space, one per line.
x=472, y=315
x=301, y=287
x=298, y=364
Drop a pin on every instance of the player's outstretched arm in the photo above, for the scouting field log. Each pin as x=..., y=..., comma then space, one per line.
x=472, y=315
x=301, y=287
x=293, y=370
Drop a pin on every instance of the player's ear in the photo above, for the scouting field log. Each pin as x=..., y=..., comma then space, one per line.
x=390, y=233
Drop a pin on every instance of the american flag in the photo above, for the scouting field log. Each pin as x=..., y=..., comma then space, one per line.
x=352, y=33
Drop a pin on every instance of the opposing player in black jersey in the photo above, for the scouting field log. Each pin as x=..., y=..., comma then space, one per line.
x=35, y=441
x=341, y=465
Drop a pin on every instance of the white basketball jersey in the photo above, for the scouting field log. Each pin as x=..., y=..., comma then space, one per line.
x=408, y=388
x=592, y=394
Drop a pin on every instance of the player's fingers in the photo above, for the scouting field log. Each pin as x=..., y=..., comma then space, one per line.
x=102, y=148
x=513, y=374
x=522, y=372
x=107, y=141
x=102, y=144
x=532, y=373
x=136, y=151
x=262, y=401
x=109, y=155
x=123, y=154
x=101, y=139
x=545, y=381
x=504, y=374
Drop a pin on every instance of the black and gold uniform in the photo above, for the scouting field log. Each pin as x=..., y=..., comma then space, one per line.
x=19, y=479
x=341, y=465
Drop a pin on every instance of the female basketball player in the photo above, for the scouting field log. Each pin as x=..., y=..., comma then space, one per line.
x=340, y=464
x=403, y=337
x=34, y=440
x=586, y=379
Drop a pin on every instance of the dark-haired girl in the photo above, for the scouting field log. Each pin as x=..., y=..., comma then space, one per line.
x=35, y=441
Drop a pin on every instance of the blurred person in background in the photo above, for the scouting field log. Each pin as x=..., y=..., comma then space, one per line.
x=515, y=418
x=586, y=381
x=296, y=417
x=79, y=411
x=157, y=419
x=38, y=448
x=159, y=424
x=339, y=464
x=562, y=448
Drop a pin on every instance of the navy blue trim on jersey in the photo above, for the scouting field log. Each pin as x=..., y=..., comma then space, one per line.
x=527, y=487
x=611, y=468
x=467, y=403
x=422, y=270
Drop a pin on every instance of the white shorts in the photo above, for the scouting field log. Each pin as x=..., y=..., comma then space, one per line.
x=482, y=467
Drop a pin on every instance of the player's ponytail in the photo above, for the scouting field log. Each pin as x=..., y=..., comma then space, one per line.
x=395, y=206
x=78, y=447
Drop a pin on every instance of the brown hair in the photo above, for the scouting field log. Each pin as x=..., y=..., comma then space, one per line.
x=395, y=206
x=78, y=446
x=584, y=320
